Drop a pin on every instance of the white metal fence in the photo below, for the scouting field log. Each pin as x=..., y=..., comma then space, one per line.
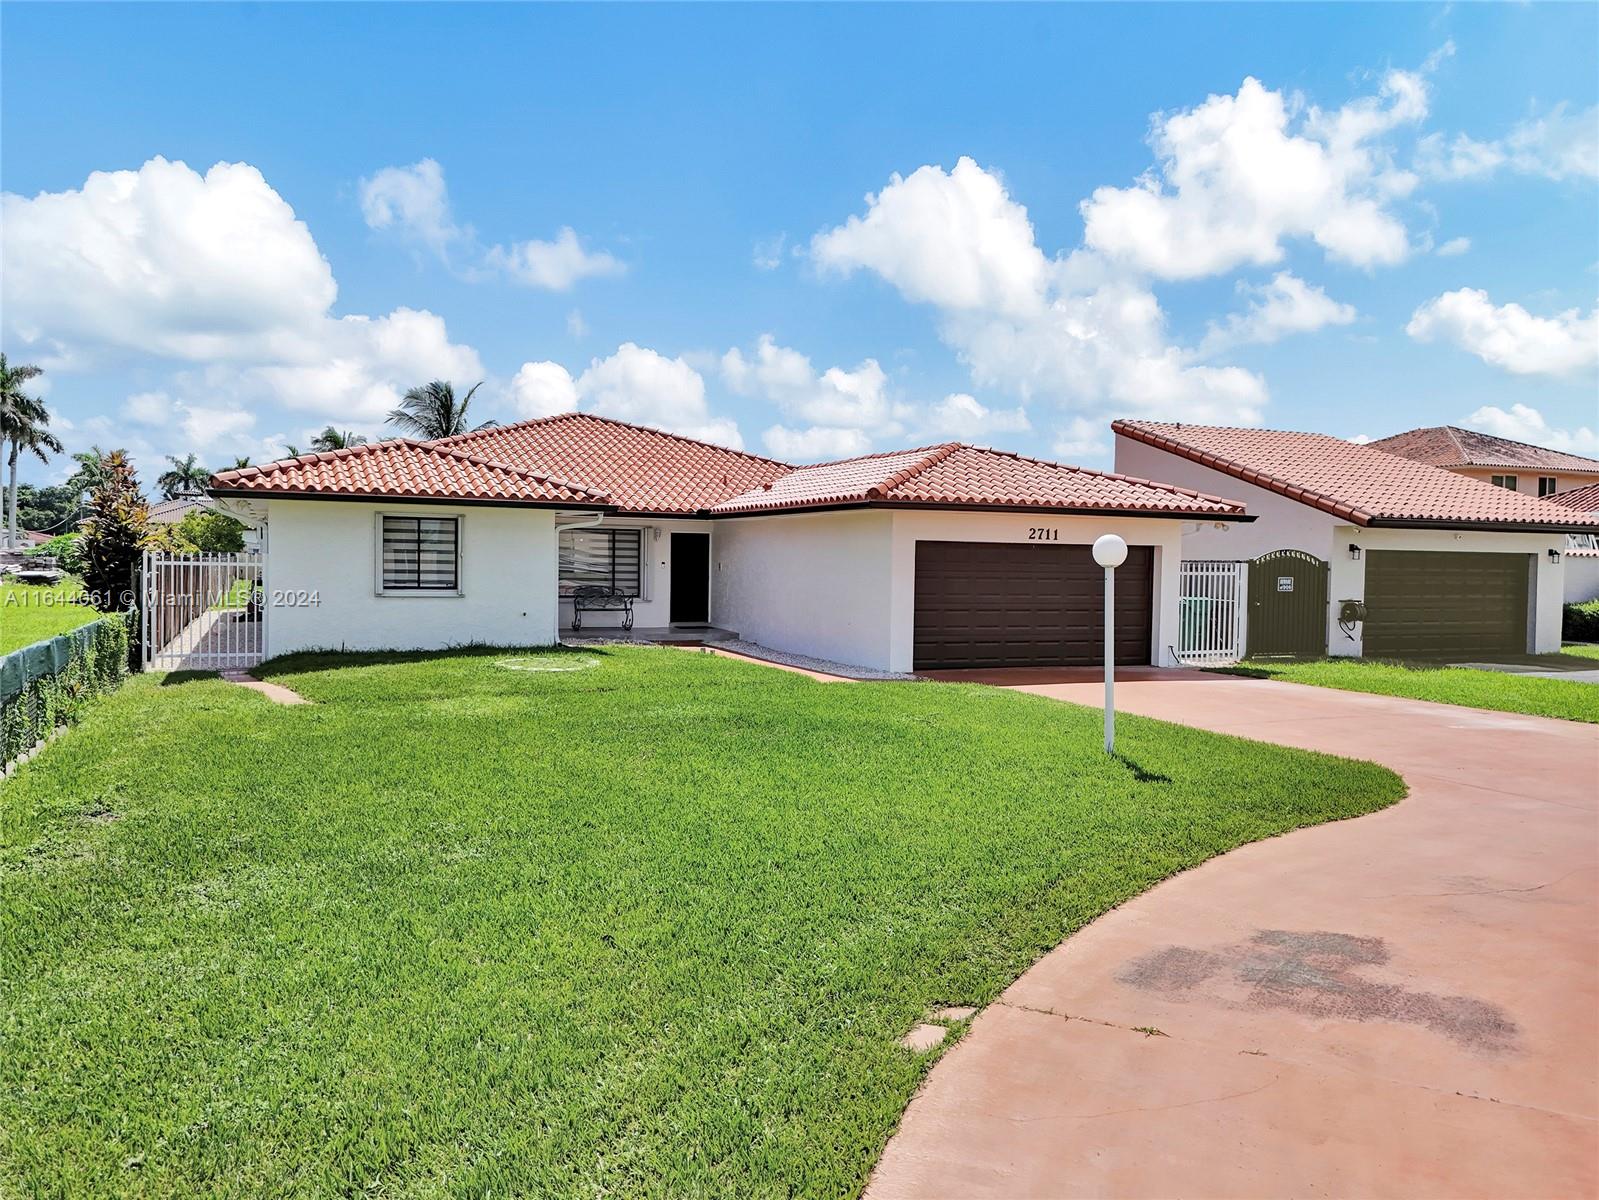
x=1211, y=615
x=202, y=612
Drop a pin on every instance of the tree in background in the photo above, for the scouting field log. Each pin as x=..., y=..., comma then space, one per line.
x=432, y=411
x=199, y=531
x=24, y=425
x=49, y=509
x=185, y=477
x=336, y=439
x=114, y=536
x=91, y=470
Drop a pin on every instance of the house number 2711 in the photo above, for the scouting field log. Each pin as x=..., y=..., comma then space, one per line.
x=1038, y=533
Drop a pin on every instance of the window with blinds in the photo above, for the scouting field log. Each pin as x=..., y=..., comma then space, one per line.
x=421, y=554
x=612, y=558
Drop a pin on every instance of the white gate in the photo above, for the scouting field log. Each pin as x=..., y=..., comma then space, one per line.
x=202, y=612
x=1211, y=614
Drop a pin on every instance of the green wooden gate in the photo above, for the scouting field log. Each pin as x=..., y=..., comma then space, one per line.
x=1287, y=605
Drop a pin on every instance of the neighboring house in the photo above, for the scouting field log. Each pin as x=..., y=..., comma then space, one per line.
x=170, y=512
x=1516, y=466
x=1443, y=564
x=1582, y=549
x=946, y=555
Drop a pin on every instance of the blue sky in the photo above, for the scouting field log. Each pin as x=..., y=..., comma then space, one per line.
x=1077, y=213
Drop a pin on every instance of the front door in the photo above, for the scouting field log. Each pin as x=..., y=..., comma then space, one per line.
x=691, y=579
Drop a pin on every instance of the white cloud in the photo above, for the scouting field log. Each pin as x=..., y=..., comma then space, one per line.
x=163, y=261
x=576, y=326
x=634, y=384
x=1561, y=144
x=955, y=240
x=1525, y=424
x=414, y=203
x=816, y=444
x=1077, y=330
x=210, y=432
x=1080, y=438
x=543, y=389
x=1287, y=305
x=1508, y=336
x=1239, y=175
x=964, y=418
x=768, y=252
x=554, y=266
x=855, y=399
x=212, y=269
x=1453, y=247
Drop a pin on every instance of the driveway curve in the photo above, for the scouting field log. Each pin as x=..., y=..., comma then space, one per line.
x=1406, y=1004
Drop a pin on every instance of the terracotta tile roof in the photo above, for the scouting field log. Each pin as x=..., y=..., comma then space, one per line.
x=1451, y=446
x=642, y=469
x=1361, y=484
x=405, y=468
x=1582, y=499
x=969, y=476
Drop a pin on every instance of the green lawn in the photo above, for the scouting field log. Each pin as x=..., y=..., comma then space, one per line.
x=30, y=614
x=1496, y=690
x=1581, y=649
x=651, y=926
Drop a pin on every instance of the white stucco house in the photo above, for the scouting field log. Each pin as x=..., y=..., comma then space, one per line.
x=1438, y=563
x=941, y=556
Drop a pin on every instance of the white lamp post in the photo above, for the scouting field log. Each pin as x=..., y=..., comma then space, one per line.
x=1110, y=552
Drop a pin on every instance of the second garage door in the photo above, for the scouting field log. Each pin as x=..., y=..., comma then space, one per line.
x=1434, y=604
x=1004, y=604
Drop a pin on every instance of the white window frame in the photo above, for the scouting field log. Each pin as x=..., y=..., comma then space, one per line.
x=419, y=593
x=1511, y=483
x=1554, y=485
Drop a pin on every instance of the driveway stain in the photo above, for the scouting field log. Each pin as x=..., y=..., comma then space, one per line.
x=1316, y=973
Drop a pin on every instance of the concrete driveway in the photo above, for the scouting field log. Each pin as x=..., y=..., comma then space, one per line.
x=1402, y=1005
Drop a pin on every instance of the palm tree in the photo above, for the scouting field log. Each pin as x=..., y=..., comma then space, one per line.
x=336, y=439
x=241, y=462
x=91, y=472
x=432, y=411
x=24, y=425
x=290, y=450
x=186, y=478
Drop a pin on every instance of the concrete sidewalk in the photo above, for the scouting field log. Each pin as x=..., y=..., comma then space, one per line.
x=1406, y=1004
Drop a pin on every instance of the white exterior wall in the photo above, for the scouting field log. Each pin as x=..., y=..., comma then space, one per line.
x=1582, y=577
x=330, y=548
x=808, y=583
x=911, y=527
x=1285, y=524
x=653, y=608
x=842, y=585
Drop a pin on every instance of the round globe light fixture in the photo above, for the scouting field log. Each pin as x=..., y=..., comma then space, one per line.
x=1110, y=551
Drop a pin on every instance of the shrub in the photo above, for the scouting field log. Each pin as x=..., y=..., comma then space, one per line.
x=66, y=549
x=96, y=662
x=1581, y=622
x=114, y=536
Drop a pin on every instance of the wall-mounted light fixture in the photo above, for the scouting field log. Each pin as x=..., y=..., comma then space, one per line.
x=1554, y=556
x=1354, y=552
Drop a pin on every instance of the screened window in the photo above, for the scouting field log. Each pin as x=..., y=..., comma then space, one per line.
x=1505, y=481
x=1546, y=485
x=421, y=554
x=612, y=558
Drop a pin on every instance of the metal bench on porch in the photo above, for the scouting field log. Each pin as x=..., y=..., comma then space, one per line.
x=595, y=598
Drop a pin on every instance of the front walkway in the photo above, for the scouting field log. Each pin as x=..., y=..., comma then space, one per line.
x=1402, y=1005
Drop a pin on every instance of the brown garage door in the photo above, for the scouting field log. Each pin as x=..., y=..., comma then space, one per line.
x=1434, y=604
x=1003, y=604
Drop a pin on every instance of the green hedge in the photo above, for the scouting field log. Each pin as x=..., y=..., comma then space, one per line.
x=52, y=683
x=1581, y=622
